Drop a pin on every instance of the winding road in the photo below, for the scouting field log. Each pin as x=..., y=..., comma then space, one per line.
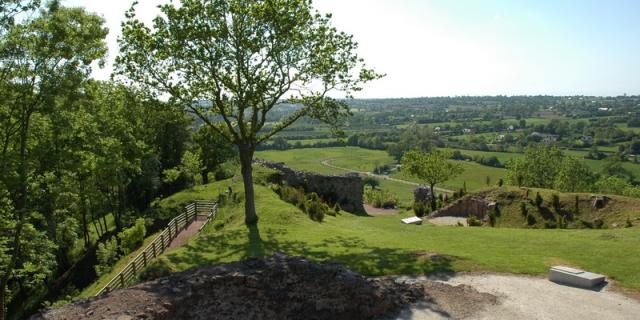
x=327, y=163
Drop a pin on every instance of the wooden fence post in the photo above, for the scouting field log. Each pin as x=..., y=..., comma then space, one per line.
x=133, y=267
x=121, y=280
x=144, y=259
x=154, y=249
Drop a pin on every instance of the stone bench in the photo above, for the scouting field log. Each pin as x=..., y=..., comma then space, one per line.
x=412, y=220
x=575, y=277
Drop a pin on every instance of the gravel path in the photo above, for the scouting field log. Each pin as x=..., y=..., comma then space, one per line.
x=523, y=297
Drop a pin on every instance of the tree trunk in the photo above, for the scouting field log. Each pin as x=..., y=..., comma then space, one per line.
x=246, y=160
x=205, y=176
x=3, y=289
x=433, y=198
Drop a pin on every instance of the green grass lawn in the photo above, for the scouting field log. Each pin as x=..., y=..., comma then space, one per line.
x=382, y=245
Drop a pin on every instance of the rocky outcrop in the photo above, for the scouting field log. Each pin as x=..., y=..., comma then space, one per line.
x=346, y=190
x=276, y=287
x=465, y=207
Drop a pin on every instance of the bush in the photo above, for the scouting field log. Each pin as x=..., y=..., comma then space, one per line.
x=107, y=254
x=315, y=208
x=628, y=223
x=473, y=221
x=420, y=208
x=292, y=195
x=492, y=217
x=550, y=224
x=531, y=220
x=371, y=181
x=380, y=198
x=132, y=237
x=598, y=223
x=555, y=202
x=538, y=200
x=523, y=209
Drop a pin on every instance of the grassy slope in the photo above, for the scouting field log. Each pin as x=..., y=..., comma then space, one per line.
x=509, y=199
x=382, y=245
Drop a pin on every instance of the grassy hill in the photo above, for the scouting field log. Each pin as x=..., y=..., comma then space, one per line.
x=382, y=245
x=615, y=214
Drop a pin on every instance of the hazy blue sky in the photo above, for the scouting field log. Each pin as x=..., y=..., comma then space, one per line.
x=436, y=48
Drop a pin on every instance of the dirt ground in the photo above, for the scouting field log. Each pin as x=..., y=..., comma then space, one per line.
x=523, y=297
x=448, y=221
x=185, y=234
x=379, y=211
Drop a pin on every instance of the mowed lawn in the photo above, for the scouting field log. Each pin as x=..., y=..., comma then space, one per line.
x=384, y=246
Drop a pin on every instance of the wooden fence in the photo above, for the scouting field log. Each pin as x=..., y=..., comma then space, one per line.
x=197, y=210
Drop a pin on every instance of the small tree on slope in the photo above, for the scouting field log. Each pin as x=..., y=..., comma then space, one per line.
x=240, y=59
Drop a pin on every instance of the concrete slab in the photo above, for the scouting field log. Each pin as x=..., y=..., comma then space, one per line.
x=412, y=220
x=575, y=277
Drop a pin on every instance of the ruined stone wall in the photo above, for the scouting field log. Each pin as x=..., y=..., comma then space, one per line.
x=346, y=190
x=463, y=208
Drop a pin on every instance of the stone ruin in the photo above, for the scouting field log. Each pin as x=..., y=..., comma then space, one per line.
x=465, y=207
x=345, y=190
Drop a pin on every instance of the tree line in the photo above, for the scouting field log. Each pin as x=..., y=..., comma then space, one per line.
x=80, y=159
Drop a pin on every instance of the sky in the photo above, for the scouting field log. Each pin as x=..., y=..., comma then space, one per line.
x=455, y=48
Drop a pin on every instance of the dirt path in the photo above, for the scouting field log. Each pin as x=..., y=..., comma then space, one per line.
x=378, y=211
x=185, y=234
x=448, y=221
x=523, y=297
x=327, y=163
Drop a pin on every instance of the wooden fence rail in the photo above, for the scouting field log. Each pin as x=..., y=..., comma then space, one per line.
x=197, y=210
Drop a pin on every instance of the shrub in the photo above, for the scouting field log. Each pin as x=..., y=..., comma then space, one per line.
x=598, y=223
x=337, y=208
x=562, y=222
x=292, y=195
x=420, y=208
x=550, y=224
x=315, y=208
x=371, y=181
x=531, y=220
x=500, y=182
x=132, y=237
x=492, y=218
x=107, y=254
x=538, y=200
x=473, y=221
x=628, y=223
x=523, y=209
x=379, y=198
x=555, y=202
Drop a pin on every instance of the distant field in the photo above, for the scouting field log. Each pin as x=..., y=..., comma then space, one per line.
x=360, y=159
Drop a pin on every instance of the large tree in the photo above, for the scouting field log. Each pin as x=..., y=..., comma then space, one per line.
x=433, y=167
x=233, y=61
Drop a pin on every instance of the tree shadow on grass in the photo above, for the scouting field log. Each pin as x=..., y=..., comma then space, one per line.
x=353, y=252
